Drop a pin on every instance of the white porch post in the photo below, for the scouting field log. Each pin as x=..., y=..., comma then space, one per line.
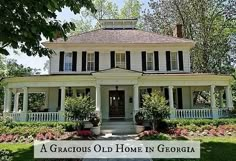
x=5, y=100
x=221, y=92
x=9, y=97
x=135, y=100
x=46, y=100
x=98, y=100
x=74, y=93
x=229, y=101
x=213, y=103
x=16, y=102
x=171, y=102
x=25, y=105
x=62, y=111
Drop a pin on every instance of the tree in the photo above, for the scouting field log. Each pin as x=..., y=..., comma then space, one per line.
x=155, y=107
x=208, y=22
x=79, y=108
x=131, y=9
x=106, y=9
x=24, y=22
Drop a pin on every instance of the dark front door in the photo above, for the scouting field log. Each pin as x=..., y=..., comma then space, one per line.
x=116, y=103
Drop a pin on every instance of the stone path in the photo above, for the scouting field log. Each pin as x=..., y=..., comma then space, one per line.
x=117, y=137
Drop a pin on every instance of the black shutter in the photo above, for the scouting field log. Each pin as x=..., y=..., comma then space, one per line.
x=96, y=61
x=87, y=91
x=84, y=61
x=156, y=57
x=180, y=98
x=144, y=60
x=181, y=64
x=61, y=61
x=112, y=59
x=167, y=94
x=74, y=61
x=128, y=60
x=149, y=91
x=59, y=99
x=168, y=65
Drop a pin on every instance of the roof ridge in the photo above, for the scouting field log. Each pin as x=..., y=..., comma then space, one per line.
x=164, y=35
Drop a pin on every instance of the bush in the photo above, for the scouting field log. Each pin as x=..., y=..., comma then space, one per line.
x=160, y=136
x=155, y=107
x=200, y=122
x=5, y=155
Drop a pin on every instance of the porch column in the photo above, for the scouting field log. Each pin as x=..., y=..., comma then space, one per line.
x=171, y=102
x=16, y=102
x=25, y=105
x=74, y=93
x=213, y=103
x=135, y=100
x=5, y=100
x=46, y=100
x=9, y=97
x=221, y=92
x=62, y=111
x=98, y=99
x=229, y=101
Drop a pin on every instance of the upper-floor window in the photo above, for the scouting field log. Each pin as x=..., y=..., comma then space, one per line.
x=68, y=62
x=90, y=62
x=150, y=61
x=174, y=60
x=120, y=60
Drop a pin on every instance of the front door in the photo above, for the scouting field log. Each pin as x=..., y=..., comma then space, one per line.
x=116, y=103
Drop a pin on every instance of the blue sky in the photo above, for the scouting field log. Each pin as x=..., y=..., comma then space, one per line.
x=65, y=15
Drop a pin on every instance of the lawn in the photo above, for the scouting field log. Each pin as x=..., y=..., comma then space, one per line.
x=212, y=149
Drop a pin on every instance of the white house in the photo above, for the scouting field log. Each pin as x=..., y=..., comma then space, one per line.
x=116, y=65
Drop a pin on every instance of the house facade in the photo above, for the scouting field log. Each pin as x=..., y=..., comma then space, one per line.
x=116, y=65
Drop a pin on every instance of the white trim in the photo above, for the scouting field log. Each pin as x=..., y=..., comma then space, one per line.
x=87, y=61
x=120, y=58
x=177, y=61
x=153, y=62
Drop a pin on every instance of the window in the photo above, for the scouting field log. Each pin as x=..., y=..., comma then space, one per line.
x=90, y=62
x=174, y=60
x=120, y=60
x=69, y=92
x=150, y=61
x=68, y=62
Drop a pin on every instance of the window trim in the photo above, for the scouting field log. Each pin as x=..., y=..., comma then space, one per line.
x=153, y=62
x=120, y=56
x=90, y=61
x=177, y=61
x=64, y=65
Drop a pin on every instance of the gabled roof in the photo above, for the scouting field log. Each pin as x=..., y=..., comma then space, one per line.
x=121, y=36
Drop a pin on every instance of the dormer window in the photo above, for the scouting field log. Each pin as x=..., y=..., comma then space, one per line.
x=90, y=62
x=174, y=60
x=120, y=60
x=68, y=62
x=150, y=62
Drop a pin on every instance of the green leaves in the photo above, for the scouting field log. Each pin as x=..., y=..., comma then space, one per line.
x=25, y=21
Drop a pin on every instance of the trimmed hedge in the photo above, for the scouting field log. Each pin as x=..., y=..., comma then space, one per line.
x=68, y=126
x=201, y=122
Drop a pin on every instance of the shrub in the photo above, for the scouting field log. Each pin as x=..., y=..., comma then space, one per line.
x=6, y=155
x=155, y=107
x=139, y=117
x=94, y=119
x=159, y=136
x=79, y=108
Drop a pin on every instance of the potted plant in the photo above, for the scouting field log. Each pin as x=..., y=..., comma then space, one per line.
x=95, y=120
x=139, y=119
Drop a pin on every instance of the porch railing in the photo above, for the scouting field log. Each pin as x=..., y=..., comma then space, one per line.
x=15, y=116
x=193, y=113
x=223, y=112
x=43, y=116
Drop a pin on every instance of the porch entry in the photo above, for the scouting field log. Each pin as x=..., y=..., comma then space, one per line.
x=116, y=104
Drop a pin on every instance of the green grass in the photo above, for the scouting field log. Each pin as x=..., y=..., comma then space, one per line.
x=212, y=149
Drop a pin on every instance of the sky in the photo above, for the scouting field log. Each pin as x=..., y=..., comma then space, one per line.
x=65, y=15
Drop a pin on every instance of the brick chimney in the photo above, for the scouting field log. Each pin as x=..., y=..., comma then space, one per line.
x=178, y=31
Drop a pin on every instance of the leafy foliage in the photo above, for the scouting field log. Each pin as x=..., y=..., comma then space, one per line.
x=24, y=22
x=6, y=155
x=155, y=106
x=208, y=22
x=79, y=108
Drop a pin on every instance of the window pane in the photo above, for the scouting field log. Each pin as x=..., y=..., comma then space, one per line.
x=149, y=61
x=120, y=60
x=174, y=63
x=90, y=62
x=68, y=62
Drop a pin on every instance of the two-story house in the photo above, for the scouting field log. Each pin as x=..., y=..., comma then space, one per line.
x=116, y=65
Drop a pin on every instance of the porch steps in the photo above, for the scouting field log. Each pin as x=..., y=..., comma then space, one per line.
x=118, y=127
